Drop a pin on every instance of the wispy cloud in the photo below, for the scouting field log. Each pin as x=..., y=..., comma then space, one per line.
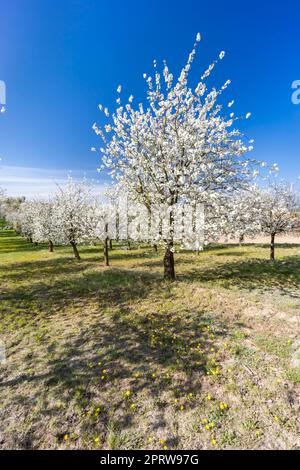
x=41, y=182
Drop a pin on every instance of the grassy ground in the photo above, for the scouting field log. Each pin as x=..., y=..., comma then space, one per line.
x=115, y=358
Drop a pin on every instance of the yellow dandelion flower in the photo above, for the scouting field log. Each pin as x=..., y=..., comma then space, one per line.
x=214, y=442
x=165, y=447
x=66, y=437
x=97, y=440
x=181, y=407
x=223, y=406
x=204, y=420
x=209, y=397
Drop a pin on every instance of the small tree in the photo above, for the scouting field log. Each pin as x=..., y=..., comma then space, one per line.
x=179, y=149
x=97, y=225
x=45, y=226
x=71, y=206
x=278, y=205
x=2, y=200
x=9, y=209
x=242, y=214
x=26, y=219
x=2, y=195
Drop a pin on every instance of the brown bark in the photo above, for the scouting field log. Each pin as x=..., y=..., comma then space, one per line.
x=241, y=240
x=110, y=244
x=272, y=247
x=50, y=246
x=155, y=247
x=105, y=246
x=169, y=269
x=105, y=252
x=76, y=253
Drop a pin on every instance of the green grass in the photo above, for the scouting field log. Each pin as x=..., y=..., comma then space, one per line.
x=293, y=374
x=116, y=358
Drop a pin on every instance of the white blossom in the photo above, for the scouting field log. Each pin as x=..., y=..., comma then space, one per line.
x=181, y=148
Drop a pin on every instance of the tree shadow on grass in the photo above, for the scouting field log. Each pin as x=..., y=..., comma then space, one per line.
x=154, y=355
x=250, y=274
x=107, y=287
x=279, y=245
x=130, y=347
x=16, y=244
x=46, y=268
x=230, y=253
x=132, y=254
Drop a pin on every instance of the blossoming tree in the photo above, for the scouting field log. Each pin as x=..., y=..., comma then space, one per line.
x=71, y=205
x=45, y=223
x=242, y=214
x=180, y=148
x=278, y=211
x=24, y=218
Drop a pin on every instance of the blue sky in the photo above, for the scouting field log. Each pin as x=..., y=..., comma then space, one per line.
x=60, y=58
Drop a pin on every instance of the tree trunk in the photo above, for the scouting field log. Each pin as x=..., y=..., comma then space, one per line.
x=110, y=244
x=272, y=247
x=76, y=253
x=169, y=270
x=155, y=247
x=105, y=252
x=50, y=246
x=241, y=240
x=30, y=240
